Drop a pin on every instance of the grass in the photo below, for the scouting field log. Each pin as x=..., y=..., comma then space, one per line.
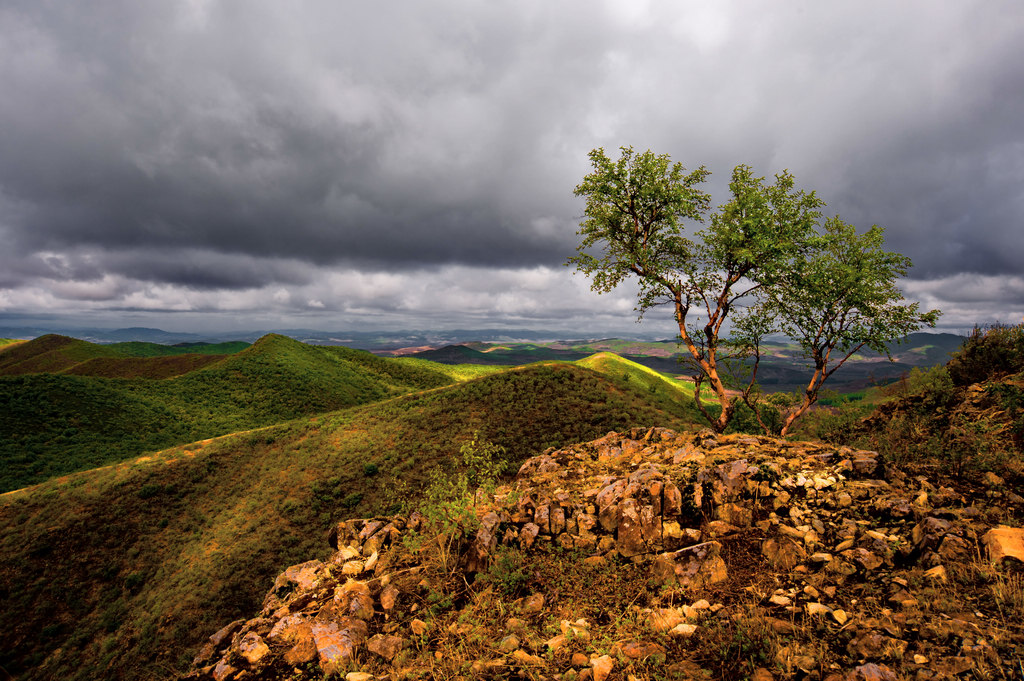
x=457, y=372
x=53, y=424
x=157, y=553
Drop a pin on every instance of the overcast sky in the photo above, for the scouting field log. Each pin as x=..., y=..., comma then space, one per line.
x=207, y=164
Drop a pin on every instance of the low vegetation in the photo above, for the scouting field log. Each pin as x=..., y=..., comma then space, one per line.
x=112, y=572
x=120, y=572
x=52, y=424
x=964, y=418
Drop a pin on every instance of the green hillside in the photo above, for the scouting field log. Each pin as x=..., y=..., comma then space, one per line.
x=53, y=424
x=60, y=354
x=106, y=572
x=50, y=353
x=142, y=349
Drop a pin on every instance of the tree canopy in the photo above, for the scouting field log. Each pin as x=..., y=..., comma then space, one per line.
x=766, y=262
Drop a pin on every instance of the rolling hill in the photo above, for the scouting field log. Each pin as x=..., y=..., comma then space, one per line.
x=56, y=423
x=782, y=367
x=105, y=573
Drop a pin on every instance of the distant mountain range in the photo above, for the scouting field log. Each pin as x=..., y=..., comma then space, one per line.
x=782, y=368
x=409, y=342
x=363, y=340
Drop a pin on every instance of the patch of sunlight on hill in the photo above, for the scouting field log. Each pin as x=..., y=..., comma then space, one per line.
x=457, y=372
x=610, y=364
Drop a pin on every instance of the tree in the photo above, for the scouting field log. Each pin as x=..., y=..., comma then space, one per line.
x=765, y=260
x=633, y=218
x=838, y=296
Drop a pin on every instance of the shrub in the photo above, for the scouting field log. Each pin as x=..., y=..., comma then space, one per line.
x=991, y=351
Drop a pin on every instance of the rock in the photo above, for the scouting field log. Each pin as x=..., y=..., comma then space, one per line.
x=664, y=619
x=638, y=529
x=215, y=642
x=385, y=646
x=557, y=520
x=602, y=666
x=954, y=549
x=783, y=553
x=354, y=600
x=419, y=627
x=556, y=642
x=479, y=552
x=871, y=672
x=223, y=670
x=694, y=567
x=337, y=642
x=531, y=605
x=873, y=645
x=252, y=648
x=509, y=643
x=641, y=650
x=682, y=630
x=304, y=650
x=1004, y=542
x=992, y=480
x=353, y=568
x=488, y=667
x=528, y=534
x=289, y=629
x=579, y=659
x=525, y=658
x=862, y=557
x=388, y=597
x=579, y=629
x=735, y=514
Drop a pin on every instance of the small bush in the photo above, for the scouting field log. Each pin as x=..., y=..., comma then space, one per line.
x=988, y=352
x=507, y=572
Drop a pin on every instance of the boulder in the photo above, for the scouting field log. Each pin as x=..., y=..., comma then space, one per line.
x=694, y=567
x=1004, y=542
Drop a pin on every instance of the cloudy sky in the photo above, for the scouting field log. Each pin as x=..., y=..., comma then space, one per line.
x=245, y=164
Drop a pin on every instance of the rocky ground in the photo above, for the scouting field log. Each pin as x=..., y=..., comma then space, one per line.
x=659, y=555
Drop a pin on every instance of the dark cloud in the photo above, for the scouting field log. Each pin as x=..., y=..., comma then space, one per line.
x=152, y=154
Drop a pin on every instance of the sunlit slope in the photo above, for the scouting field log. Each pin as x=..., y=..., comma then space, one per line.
x=50, y=353
x=52, y=424
x=60, y=354
x=156, y=555
x=662, y=388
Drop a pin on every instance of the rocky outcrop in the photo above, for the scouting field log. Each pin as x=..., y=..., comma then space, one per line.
x=836, y=558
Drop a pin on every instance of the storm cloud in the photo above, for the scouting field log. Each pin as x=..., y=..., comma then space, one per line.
x=412, y=163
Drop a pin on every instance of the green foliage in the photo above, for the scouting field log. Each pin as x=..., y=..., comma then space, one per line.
x=219, y=520
x=765, y=261
x=452, y=495
x=929, y=419
x=55, y=424
x=992, y=351
x=838, y=295
x=141, y=349
x=508, y=571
